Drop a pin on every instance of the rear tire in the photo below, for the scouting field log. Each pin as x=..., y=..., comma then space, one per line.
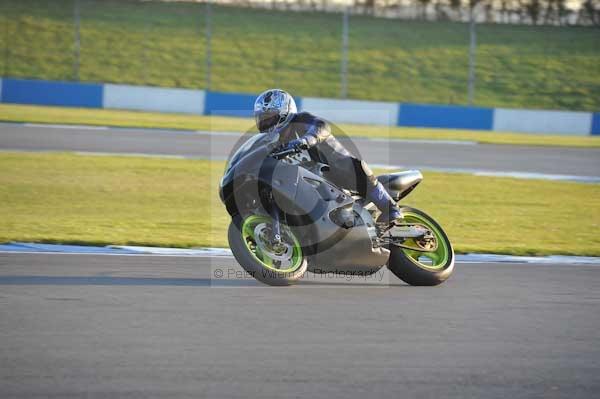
x=406, y=265
x=254, y=266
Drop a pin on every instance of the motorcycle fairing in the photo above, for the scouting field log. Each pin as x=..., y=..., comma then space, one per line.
x=307, y=201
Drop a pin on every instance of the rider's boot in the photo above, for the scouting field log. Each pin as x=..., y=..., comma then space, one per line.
x=390, y=212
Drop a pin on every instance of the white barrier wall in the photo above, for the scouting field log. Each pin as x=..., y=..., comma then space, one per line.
x=352, y=111
x=154, y=99
x=543, y=122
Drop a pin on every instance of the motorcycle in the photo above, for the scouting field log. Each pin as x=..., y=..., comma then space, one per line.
x=287, y=218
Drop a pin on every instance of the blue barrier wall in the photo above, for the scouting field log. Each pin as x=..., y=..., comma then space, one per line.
x=229, y=104
x=445, y=116
x=52, y=93
x=596, y=124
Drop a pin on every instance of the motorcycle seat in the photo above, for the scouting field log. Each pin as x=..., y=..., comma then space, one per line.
x=399, y=184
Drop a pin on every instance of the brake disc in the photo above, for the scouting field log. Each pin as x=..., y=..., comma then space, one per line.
x=281, y=252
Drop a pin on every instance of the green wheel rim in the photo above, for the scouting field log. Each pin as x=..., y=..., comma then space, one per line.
x=431, y=260
x=248, y=235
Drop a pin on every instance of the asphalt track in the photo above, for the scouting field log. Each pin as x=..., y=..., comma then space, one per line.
x=422, y=155
x=100, y=326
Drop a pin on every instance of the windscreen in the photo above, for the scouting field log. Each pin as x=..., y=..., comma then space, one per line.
x=253, y=142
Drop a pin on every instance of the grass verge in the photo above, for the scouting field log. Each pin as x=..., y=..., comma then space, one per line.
x=104, y=117
x=82, y=199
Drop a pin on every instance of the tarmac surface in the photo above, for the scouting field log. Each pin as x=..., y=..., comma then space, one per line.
x=408, y=154
x=108, y=326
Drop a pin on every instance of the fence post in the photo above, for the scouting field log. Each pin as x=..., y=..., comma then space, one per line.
x=472, y=48
x=208, y=38
x=145, y=58
x=344, y=66
x=76, y=50
x=6, y=41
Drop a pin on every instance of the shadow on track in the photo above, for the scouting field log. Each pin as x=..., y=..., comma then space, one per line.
x=151, y=281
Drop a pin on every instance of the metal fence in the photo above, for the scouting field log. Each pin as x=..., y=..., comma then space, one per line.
x=199, y=45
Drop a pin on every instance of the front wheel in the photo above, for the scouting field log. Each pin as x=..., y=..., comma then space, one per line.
x=433, y=263
x=280, y=263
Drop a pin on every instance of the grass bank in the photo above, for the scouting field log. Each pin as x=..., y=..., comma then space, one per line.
x=103, y=117
x=162, y=43
x=68, y=198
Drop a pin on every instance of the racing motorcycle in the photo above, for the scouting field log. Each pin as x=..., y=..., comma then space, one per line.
x=287, y=218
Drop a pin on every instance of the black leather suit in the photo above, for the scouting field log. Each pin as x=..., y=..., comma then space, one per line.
x=346, y=170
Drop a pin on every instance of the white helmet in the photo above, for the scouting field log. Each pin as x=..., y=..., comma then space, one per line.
x=273, y=109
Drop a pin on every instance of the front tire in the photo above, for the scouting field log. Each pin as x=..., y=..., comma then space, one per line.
x=422, y=268
x=260, y=262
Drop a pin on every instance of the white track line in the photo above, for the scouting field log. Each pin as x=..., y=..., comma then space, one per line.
x=494, y=173
x=175, y=251
x=411, y=141
x=52, y=126
x=130, y=154
x=104, y=254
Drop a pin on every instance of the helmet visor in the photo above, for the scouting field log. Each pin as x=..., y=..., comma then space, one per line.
x=266, y=120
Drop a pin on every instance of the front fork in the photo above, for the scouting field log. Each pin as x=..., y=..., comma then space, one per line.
x=274, y=212
x=275, y=215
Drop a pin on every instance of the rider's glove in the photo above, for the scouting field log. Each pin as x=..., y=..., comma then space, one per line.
x=297, y=144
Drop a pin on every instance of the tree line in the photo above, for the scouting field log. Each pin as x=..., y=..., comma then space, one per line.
x=531, y=12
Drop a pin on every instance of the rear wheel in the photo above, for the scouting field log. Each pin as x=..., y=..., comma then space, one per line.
x=422, y=261
x=280, y=263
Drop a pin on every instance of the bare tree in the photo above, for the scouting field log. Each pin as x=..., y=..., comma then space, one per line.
x=424, y=5
x=533, y=8
x=489, y=12
x=592, y=8
x=456, y=6
x=551, y=12
x=535, y=12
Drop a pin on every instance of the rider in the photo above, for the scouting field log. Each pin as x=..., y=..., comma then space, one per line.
x=275, y=110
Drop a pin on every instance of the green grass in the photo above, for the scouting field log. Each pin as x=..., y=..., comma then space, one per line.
x=102, y=117
x=162, y=44
x=67, y=198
